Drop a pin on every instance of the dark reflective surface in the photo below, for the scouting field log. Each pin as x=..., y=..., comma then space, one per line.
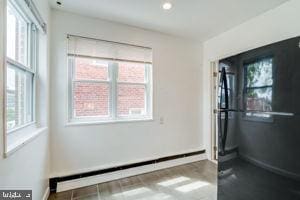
x=262, y=150
x=245, y=181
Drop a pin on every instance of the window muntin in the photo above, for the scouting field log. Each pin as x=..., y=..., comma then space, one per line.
x=20, y=68
x=259, y=87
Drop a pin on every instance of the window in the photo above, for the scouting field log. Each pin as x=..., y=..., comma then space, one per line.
x=108, y=81
x=21, y=47
x=258, y=87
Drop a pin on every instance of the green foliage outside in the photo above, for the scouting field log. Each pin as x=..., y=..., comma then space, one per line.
x=259, y=74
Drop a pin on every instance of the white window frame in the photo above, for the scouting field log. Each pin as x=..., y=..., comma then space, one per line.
x=148, y=92
x=30, y=67
x=16, y=138
x=113, y=98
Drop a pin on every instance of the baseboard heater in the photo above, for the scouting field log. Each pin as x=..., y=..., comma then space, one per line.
x=53, y=181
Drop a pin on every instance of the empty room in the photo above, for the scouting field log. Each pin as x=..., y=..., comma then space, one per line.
x=149, y=100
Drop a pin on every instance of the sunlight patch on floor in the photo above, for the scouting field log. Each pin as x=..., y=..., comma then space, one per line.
x=174, y=181
x=192, y=186
x=133, y=192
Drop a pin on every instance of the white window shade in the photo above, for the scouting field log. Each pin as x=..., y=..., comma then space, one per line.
x=107, y=50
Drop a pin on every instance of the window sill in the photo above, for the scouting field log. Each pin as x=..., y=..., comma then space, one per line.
x=19, y=143
x=83, y=123
x=21, y=127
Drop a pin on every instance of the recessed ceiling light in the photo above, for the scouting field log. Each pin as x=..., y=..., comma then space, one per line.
x=167, y=6
x=58, y=3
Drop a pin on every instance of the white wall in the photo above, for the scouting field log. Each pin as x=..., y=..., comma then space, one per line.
x=275, y=25
x=177, y=64
x=28, y=167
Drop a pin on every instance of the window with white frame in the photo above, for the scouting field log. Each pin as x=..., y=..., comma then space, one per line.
x=21, y=59
x=108, y=81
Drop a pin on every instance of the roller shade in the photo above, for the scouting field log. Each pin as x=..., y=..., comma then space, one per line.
x=108, y=50
x=32, y=12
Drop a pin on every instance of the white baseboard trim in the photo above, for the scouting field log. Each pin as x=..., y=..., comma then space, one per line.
x=46, y=194
x=83, y=182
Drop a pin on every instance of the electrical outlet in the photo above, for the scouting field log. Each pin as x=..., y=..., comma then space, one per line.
x=161, y=120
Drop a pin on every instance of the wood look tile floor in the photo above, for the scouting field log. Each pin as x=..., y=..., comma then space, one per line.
x=186, y=182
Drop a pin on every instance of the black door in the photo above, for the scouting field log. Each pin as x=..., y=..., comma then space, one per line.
x=259, y=124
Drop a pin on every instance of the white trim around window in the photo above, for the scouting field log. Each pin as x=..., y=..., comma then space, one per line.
x=25, y=70
x=113, y=96
x=133, y=55
x=21, y=36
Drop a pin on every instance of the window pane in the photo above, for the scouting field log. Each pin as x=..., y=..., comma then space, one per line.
x=131, y=100
x=19, y=97
x=17, y=29
x=259, y=99
x=91, y=99
x=131, y=72
x=260, y=73
x=91, y=69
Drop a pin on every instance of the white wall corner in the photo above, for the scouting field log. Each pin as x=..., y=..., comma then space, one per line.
x=46, y=194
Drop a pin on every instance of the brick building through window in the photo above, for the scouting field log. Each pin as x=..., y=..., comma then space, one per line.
x=109, y=89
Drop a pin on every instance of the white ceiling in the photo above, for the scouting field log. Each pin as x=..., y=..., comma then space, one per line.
x=195, y=19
